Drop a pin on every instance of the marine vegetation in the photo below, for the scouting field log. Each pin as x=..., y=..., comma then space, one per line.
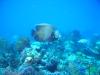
x=50, y=53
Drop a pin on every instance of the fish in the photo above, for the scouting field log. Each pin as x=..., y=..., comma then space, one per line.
x=43, y=32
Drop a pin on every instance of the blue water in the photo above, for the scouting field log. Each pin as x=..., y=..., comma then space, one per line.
x=54, y=55
x=18, y=17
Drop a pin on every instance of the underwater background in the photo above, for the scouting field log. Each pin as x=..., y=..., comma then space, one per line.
x=66, y=15
x=49, y=37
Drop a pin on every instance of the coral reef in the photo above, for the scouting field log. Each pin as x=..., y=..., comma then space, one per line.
x=50, y=54
x=21, y=43
x=4, y=44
